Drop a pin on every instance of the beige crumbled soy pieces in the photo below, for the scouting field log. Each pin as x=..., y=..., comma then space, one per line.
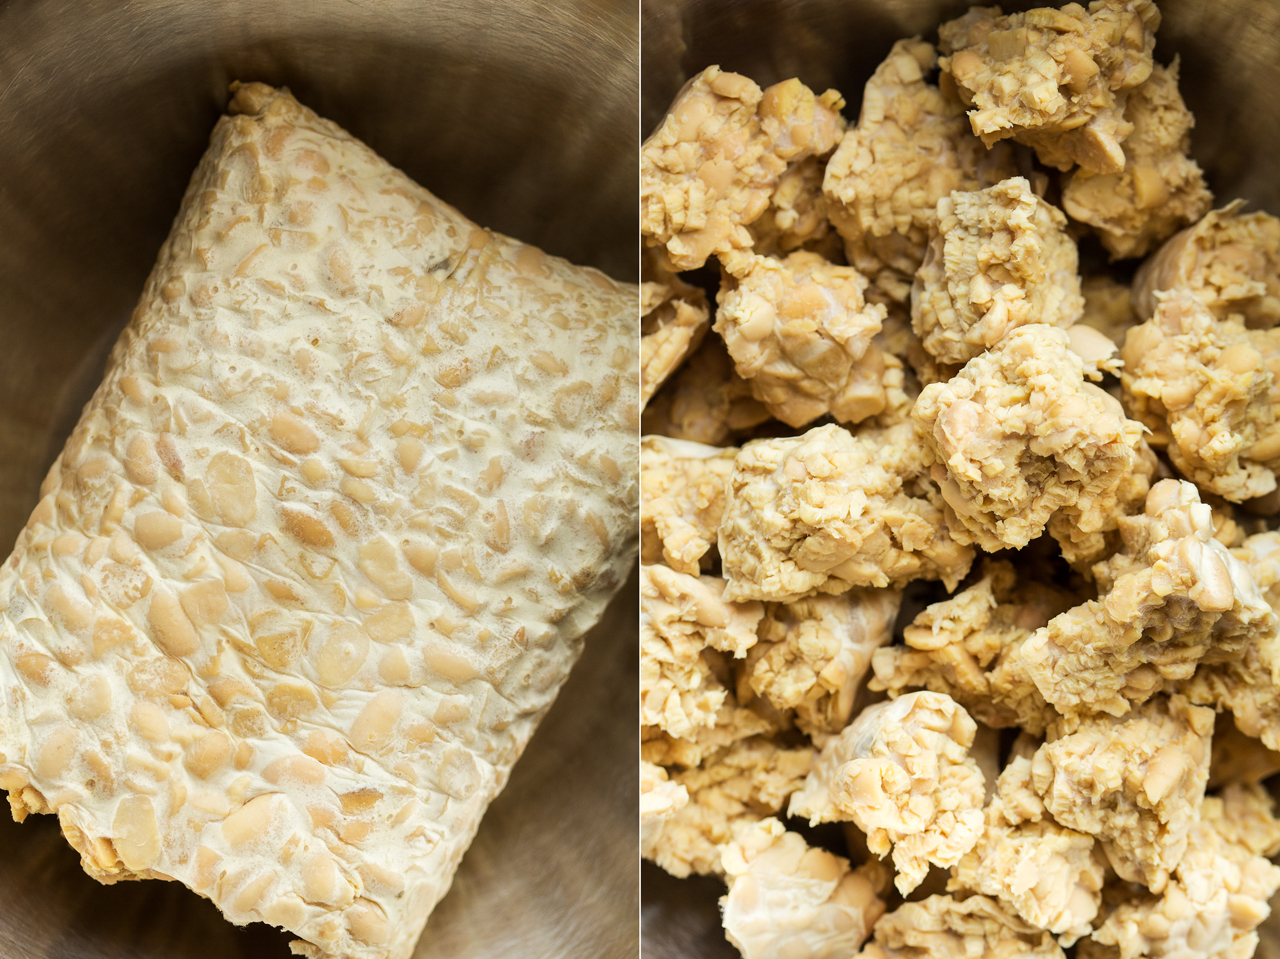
x=1135, y=783
x=967, y=647
x=1082, y=549
x=660, y=799
x=680, y=617
x=742, y=783
x=788, y=899
x=1018, y=435
x=997, y=259
x=706, y=401
x=1248, y=685
x=1230, y=262
x=1206, y=390
x=943, y=926
x=983, y=395
x=800, y=332
x=1173, y=597
x=830, y=510
x=674, y=320
x=1049, y=875
x=731, y=724
x=682, y=495
x=910, y=148
x=712, y=165
x=1160, y=190
x=811, y=655
x=1219, y=891
x=797, y=215
x=1056, y=80
x=322, y=548
x=901, y=771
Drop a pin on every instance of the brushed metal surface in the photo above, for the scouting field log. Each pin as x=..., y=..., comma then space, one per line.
x=1230, y=53
x=521, y=113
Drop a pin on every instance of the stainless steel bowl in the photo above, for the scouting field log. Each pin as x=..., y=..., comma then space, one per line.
x=1230, y=52
x=521, y=113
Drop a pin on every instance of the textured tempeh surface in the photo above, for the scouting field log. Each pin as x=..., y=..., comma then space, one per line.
x=322, y=547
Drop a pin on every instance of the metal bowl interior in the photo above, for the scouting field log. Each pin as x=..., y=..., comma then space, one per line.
x=1230, y=70
x=523, y=115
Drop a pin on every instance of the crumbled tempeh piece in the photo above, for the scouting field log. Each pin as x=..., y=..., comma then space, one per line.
x=1108, y=307
x=1230, y=262
x=660, y=799
x=1082, y=549
x=998, y=259
x=797, y=215
x=1051, y=876
x=680, y=616
x=901, y=771
x=710, y=167
x=1055, y=80
x=897, y=337
x=942, y=926
x=800, y=332
x=321, y=550
x=966, y=647
x=744, y=782
x=1160, y=190
x=1134, y=783
x=1218, y=894
x=682, y=496
x=675, y=317
x=1237, y=758
x=1097, y=352
x=829, y=510
x=732, y=723
x=1248, y=685
x=1244, y=814
x=1018, y=435
x=1173, y=597
x=706, y=401
x=910, y=148
x=1205, y=389
x=812, y=654
x=789, y=899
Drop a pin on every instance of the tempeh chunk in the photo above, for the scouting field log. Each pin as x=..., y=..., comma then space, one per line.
x=1207, y=390
x=1160, y=190
x=910, y=148
x=675, y=320
x=742, y=783
x=902, y=772
x=789, y=899
x=1173, y=598
x=1218, y=894
x=812, y=654
x=998, y=259
x=680, y=617
x=800, y=332
x=711, y=166
x=1135, y=783
x=967, y=647
x=1055, y=80
x=1050, y=875
x=943, y=926
x=1018, y=435
x=314, y=562
x=1230, y=262
x=828, y=510
x=683, y=487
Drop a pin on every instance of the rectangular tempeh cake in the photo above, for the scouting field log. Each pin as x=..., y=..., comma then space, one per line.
x=323, y=545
